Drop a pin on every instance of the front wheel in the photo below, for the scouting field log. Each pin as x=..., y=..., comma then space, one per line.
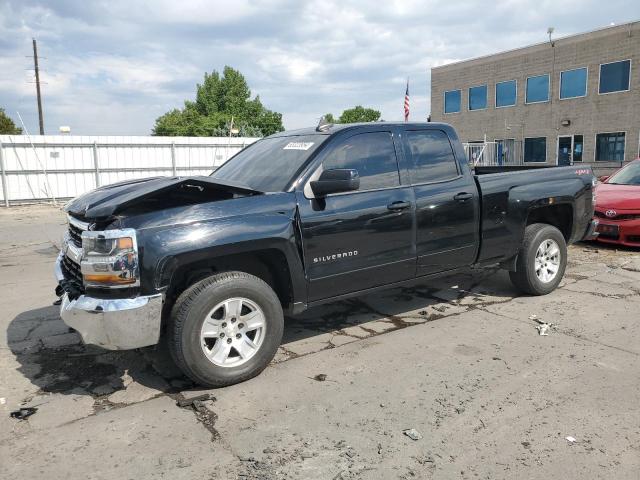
x=542, y=260
x=225, y=329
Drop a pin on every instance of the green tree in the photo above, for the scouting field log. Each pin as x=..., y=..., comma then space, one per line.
x=330, y=118
x=355, y=115
x=7, y=127
x=219, y=99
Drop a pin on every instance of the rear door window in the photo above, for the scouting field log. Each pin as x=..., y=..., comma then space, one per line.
x=372, y=155
x=432, y=158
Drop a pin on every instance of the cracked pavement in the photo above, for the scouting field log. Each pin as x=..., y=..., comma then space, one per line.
x=457, y=359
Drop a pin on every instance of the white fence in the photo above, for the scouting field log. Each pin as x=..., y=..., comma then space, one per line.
x=48, y=167
x=495, y=154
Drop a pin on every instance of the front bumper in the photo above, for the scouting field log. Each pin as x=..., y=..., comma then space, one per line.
x=592, y=233
x=628, y=232
x=114, y=324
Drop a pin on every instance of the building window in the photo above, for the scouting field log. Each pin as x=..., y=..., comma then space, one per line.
x=478, y=97
x=537, y=89
x=506, y=94
x=573, y=83
x=452, y=101
x=614, y=77
x=610, y=147
x=535, y=149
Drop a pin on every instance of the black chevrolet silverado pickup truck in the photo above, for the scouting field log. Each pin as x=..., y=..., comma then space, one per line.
x=211, y=264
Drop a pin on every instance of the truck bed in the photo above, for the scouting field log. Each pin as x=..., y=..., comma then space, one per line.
x=508, y=197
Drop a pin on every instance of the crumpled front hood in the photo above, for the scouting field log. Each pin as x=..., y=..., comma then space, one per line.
x=622, y=197
x=104, y=202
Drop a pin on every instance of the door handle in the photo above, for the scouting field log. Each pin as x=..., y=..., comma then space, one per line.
x=400, y=205
x=463, y=197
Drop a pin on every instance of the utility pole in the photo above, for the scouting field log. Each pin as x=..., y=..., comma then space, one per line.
x=35, y=62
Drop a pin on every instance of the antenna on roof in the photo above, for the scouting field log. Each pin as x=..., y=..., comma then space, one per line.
x=550, y=31
x=323, y=125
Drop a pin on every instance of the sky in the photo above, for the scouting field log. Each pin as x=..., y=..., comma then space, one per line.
x=112, y=67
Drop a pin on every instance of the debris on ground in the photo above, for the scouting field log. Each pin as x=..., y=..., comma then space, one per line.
x=570, y=439
x=440, y=308
x=412, y=433
x=543, y=329
x=321, y=377
x=23, y=413
x=3, y=401
x=188, y=402
x=350, y=453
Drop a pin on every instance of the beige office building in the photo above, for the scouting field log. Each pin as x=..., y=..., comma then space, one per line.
x=568, y=100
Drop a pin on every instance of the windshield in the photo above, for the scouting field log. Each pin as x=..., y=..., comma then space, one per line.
x=268, y=165
x=630, y=175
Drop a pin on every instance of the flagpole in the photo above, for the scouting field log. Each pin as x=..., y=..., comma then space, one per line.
x=406, y=102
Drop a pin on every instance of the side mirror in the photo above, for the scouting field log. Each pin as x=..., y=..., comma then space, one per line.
x=603, y=178
x=336, y=181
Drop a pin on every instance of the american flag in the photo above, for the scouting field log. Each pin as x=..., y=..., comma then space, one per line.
x=406, y=103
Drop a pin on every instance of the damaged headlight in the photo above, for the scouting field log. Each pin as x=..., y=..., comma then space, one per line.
x=110, y=258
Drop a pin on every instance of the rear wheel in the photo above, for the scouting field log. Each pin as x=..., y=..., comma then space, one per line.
x=225, y=329
x=542, y=260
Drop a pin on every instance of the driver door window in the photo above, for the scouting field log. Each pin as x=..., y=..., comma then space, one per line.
x=372, y=155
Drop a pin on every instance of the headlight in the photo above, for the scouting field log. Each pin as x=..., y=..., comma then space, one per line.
x=110, y=258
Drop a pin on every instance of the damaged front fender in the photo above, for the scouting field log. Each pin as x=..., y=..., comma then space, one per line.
x=204, y=234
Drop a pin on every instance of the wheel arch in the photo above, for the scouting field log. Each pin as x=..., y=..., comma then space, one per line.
x=269, y=264
x=559, y=215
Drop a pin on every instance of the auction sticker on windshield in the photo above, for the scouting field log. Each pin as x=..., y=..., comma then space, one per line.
x=298, y=146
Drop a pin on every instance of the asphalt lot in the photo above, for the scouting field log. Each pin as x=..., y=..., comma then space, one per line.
x=459, y=360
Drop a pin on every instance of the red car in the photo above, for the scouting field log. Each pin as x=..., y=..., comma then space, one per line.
x=618, y=206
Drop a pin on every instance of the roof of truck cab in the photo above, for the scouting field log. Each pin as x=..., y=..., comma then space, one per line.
x=337, y=127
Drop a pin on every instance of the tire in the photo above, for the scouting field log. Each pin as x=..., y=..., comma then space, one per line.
x=213, y=312
x=532, y=277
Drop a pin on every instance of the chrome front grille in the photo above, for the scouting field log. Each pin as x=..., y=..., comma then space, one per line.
x=71, y=258
x=71, y=270
x=76, y=227
x=75, y=235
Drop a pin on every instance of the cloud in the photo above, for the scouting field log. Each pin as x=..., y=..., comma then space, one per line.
x=113, y=67
x=294, y=67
